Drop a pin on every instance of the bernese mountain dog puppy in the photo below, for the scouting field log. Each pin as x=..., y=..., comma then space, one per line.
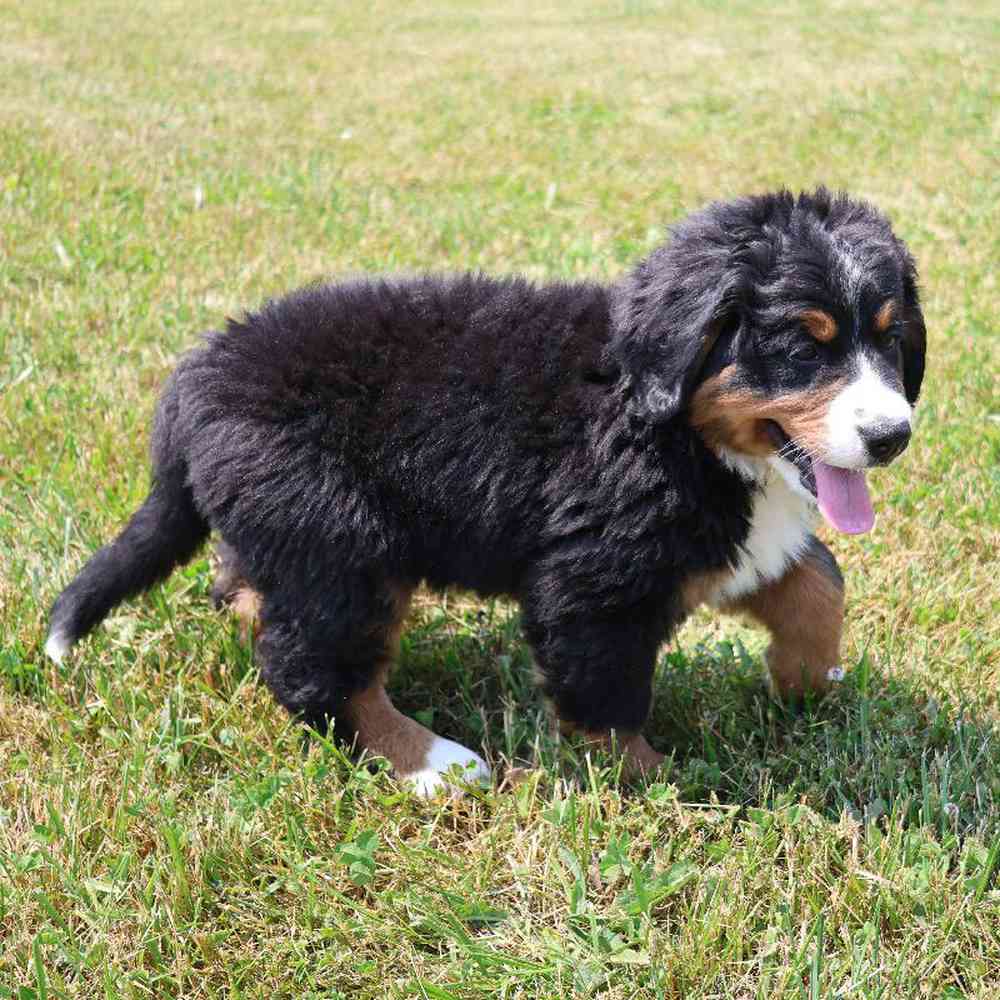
x=610, y=457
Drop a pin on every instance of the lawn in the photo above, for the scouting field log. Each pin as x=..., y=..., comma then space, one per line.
x=165, y=831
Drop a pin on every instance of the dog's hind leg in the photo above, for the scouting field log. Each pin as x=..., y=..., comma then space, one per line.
x=229, y=578
x=416, y=754
x=230, y=589
x=329, y=659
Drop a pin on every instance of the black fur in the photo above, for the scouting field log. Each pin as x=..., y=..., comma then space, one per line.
x=512, y=439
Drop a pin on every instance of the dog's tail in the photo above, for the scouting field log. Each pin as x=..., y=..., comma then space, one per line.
x=164, y=532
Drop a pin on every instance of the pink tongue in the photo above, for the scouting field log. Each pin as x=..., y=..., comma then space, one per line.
x=843, y=498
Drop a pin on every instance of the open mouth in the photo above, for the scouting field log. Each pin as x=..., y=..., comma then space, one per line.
x=841, y=494
x=791, y=452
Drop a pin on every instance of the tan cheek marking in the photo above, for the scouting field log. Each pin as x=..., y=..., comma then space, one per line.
x=729, y=417
x=734, y=417
x=820, y=325
x=886, y=316
x=803, y=415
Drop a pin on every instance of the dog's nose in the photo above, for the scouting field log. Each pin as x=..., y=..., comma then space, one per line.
x=885, y=441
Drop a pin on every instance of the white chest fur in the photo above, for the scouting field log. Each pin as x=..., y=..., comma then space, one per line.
x=782, y=521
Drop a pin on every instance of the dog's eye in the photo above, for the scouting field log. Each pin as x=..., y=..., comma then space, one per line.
x=805, y=352
x=888, y=341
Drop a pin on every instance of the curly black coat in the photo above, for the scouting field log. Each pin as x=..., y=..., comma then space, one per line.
x=358, y=437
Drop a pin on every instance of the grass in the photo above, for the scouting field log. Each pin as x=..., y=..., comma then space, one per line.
x=164, y=830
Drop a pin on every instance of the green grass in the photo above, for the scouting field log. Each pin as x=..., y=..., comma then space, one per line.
x=164, y=830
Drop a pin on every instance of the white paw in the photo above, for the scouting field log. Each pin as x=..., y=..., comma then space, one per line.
x=56, y=647
x=432, y=778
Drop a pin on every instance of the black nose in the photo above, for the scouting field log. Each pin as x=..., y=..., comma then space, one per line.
x=885, y=441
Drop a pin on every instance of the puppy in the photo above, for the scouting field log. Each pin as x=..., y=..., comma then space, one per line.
x=609, y=456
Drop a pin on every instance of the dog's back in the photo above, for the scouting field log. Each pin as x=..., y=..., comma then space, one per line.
x=408, y=423
x=400, y=424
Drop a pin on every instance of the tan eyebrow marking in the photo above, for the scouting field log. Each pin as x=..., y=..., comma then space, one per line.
x=885, y=316
x=820, y=325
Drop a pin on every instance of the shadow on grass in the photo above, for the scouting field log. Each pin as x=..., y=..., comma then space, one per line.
x=875, y=746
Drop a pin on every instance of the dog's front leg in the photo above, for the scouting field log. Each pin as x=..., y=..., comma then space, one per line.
x=804, y=611
x=597, y=671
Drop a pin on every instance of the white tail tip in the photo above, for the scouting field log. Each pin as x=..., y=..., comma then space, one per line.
x=56, y=647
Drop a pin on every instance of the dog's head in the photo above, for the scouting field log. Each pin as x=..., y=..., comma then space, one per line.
x=784, y=329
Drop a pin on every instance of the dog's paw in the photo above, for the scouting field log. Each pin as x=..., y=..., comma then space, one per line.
x=447, y=760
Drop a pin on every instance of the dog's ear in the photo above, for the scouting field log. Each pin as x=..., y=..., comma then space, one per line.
x=667, y=321
x=914, y=343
